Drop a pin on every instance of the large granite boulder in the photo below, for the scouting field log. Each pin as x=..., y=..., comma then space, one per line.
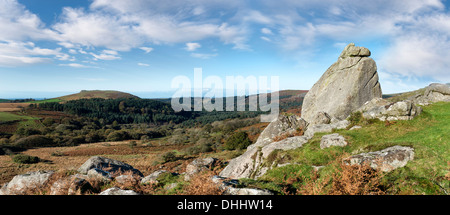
x=344, y=87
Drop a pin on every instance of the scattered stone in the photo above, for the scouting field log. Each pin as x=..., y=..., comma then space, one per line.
x=118, y=191
x=332, y=140
x=113, y=167
x=385, y=160
x=355, y=127
x=27, y=183
x=344, y=87
x=72, y=185
x=152, y=178
x=199, y=165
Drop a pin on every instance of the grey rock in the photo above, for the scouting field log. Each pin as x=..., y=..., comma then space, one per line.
x=118, y=191
x=113, y=167
x=385, y=160
x=199, y=165
x=229, y=187
x=355, y=127
x=283, y=125
x=246, y=191
x=433, y=93
x=332, y=140
x=71, y=185
x=344, y=87
x=250, y=164
x=100, y=175
x=321, y=128
x=152, y=178
x=384, y=110
x=127, y=179
x=322, y=118
x=26, y=183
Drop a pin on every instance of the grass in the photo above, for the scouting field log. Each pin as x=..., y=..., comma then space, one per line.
x=428, y=134
x=45, y=101
x=7, y=117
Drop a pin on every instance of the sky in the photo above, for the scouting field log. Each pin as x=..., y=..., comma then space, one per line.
x=52, y=48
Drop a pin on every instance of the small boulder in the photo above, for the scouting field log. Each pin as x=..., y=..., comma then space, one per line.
x=118, y=191
x=199, y=165
x=385, y=160
x=332, y=140
x=152, y=178
x=71, y=185
x=27, y=183
x=113, y=167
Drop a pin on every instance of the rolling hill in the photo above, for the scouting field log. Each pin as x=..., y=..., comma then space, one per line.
x=104, y=94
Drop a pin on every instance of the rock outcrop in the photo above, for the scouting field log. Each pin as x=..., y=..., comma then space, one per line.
x=384, y=110
x=251, y=164
x=344, y=87
x=433, y=93
x=385, y=160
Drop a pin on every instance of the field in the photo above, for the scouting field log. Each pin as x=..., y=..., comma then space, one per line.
x=46, y=100
x=10, y=107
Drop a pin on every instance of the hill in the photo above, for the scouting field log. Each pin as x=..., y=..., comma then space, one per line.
x=103, y=94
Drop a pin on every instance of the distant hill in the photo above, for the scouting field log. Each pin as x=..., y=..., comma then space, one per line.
x=104, y=94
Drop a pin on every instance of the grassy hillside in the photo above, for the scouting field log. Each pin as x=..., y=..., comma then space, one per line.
x=428, y=173
x=104, y=94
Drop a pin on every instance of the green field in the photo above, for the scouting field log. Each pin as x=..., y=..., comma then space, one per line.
x=46, y=100
x=7, y=117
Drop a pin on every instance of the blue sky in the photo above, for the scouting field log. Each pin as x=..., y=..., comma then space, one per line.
x=50, y=48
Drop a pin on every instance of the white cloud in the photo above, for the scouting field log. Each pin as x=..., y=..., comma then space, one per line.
x=266, y=31
x=76, y=65
x=17, y=23
x=106, y=55
x=146, y=49
x=203, y=55
x=192, y=46
x=266, y=39
x=143, y=64
x=14, y=53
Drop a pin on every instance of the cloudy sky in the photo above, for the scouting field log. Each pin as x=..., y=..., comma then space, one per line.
x=49, y=48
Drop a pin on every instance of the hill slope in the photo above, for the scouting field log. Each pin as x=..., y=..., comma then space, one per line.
x=104, y=94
